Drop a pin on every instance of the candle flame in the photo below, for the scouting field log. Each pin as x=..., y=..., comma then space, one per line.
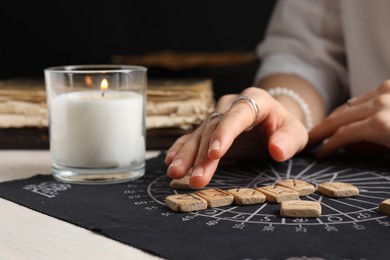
x=104, y=85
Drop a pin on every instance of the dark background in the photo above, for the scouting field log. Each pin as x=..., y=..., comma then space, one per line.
x=37, y=35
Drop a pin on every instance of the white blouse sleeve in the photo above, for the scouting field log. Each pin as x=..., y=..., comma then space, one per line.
x=304, y=37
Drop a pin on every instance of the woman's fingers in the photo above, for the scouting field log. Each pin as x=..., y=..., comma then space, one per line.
x=204, y=167
x=364, y=120
x=219, y=134
x=375, y=129
x=253, y=113
x=202, y=173
x=345, y=135
x=287, y=134
x=342, y=116
x=173, y=150
x=239, y=118
x=290, y=138
x=181, y=155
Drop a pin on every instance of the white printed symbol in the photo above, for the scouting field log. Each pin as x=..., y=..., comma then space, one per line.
x=47, y=189
x=374, y=187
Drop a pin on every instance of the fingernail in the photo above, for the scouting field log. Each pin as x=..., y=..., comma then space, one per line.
x=170, y=154
x=215, y=145
x=176, y=162
x=282, y=146
x=198, y=171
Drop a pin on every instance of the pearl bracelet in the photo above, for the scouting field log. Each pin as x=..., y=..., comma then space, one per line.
x=278, y=91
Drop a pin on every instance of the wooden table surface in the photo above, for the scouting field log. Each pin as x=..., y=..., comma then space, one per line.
x=27, y=234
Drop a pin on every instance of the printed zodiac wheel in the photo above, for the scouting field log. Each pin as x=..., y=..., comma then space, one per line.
x=374, y=187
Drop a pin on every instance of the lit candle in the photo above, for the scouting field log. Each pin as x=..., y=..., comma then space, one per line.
x=97, y=129
x=103, y=86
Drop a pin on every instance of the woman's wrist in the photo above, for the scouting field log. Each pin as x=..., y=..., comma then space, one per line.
x=280, y=92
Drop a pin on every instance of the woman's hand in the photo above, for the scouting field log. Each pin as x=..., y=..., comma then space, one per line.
x=275, y=132
x=363, y=124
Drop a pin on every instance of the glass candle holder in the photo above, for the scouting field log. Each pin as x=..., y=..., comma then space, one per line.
x=96, y=122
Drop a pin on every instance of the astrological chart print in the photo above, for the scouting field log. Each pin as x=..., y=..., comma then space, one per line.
x=373, y=184
x=134, y=213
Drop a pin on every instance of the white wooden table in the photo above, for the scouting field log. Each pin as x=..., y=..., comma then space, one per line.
x=27, y=234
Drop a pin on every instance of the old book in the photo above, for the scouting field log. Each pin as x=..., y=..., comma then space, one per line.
x=174, y=107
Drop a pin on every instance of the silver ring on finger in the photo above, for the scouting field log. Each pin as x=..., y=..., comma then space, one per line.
x=213, y=116
x=351, y=101
x=252, y=103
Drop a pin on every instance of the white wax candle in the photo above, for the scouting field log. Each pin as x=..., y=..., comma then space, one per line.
x=88, y=130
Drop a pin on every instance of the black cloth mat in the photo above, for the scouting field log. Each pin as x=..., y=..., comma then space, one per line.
x=134, y=212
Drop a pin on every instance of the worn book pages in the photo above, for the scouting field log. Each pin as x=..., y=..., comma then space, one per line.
x=171, y=103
